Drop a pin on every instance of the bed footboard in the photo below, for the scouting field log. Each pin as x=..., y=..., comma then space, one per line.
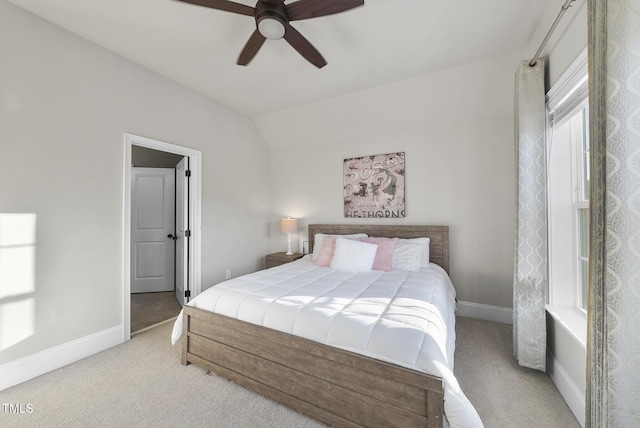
x=337, y=387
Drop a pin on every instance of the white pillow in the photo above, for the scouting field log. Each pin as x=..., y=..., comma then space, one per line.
x=319, y=237
x=411, y=254
x=407, y=256
x=353, y=256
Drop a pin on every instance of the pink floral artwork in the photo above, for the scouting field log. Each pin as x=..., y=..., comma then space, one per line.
x=374, y=186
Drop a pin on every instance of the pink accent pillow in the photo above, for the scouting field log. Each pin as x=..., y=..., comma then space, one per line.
x=384, y=255
x=326, y=251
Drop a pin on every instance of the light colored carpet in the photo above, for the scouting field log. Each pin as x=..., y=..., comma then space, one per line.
x=503, y=393
x=141, y=383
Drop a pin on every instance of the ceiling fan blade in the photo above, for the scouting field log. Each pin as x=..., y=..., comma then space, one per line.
x=304, y=47
x=226, y=5
x=305, y=9
x=252, y=47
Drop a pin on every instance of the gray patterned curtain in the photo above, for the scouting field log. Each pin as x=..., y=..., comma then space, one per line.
x=613, y=343
x=530, y=270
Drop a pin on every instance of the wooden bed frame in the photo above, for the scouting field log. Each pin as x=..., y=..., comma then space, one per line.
x=337, y=387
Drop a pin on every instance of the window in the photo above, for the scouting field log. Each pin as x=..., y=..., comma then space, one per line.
x=580, y=143
x=568, y=189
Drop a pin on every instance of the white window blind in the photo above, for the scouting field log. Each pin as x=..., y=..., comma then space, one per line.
x=570, y=92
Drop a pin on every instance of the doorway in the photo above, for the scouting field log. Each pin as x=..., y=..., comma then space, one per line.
x=153, y=238
x=147, y=264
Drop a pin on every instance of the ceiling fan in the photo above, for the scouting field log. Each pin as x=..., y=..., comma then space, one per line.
x=272, y=22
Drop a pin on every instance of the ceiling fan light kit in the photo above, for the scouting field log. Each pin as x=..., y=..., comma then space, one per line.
x=272, y=22
x=271, y=28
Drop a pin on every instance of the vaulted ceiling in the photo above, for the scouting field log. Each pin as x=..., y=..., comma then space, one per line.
x=382, y=42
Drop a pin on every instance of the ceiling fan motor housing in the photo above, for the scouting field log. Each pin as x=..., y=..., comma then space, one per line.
x=271, y=19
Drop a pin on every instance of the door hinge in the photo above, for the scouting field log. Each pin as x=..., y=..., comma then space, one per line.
x=187, y=173
x=187, y=293
x=187, y=234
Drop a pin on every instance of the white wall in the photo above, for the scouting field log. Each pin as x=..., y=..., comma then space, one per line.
x=456, y=128
x=65, y=105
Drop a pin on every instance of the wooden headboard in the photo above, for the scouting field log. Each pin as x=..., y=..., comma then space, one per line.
x=439, y=236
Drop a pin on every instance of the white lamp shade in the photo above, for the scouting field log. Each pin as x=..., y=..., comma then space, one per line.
x=289, y=225
x=271, y=28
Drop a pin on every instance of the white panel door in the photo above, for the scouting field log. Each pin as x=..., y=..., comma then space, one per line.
x=152, y=228
x=182, y=225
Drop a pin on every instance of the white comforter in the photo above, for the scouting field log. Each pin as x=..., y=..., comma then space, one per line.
x=406, y=318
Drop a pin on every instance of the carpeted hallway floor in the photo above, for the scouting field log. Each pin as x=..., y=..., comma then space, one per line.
x=148, y=309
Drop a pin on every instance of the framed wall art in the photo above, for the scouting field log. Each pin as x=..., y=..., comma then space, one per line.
x=374, y=186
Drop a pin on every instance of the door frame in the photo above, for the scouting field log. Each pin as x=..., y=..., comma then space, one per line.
x=195, y=219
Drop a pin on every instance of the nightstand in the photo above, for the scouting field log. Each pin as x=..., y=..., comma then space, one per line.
x=277, y=259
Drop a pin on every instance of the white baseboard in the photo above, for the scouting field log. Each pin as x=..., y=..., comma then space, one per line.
x=570, y=392
x=29, y=367
x=485, y=312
